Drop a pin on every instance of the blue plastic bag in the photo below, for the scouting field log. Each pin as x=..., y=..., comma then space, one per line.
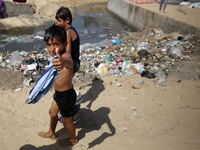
x=116, y=41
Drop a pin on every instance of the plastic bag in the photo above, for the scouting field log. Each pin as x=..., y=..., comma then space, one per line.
x=160, y=74
x=116, y=41
x=195, y=5
x=102, y=68
x=15, y=58
x=175, y=52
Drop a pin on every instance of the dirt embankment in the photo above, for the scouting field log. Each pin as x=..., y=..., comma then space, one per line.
x=44, y=14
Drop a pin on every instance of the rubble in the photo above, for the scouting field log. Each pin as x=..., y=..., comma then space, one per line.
x=150, y=52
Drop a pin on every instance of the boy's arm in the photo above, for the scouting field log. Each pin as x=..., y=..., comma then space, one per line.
x=69, y=42
x=63, y=61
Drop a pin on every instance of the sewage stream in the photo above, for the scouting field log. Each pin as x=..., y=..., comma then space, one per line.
x=95, y=29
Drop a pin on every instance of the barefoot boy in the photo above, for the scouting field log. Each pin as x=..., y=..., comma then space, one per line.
x=64, y=19
x=65, y=96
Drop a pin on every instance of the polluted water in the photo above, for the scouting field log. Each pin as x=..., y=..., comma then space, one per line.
x=94, y=28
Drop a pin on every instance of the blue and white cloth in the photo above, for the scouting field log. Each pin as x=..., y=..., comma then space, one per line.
x=43, y=84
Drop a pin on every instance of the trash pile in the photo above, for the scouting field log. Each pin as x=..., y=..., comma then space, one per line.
x=30, y=64
x=150, y=52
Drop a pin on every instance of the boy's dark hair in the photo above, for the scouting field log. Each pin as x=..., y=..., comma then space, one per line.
x=56, y=32
x=64, y=13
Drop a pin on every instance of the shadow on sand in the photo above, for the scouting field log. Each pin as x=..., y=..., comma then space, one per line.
x=91, y=95
x=89, y=121
x=93, y=120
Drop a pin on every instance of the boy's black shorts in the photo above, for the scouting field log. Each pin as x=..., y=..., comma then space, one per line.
x=66, y=101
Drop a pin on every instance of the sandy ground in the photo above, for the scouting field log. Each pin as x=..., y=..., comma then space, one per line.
x=181, y=13
x=44, y=12
x=147, y=117
x=112, y=117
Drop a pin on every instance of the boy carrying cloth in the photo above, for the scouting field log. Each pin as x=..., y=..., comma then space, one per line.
x=65, y=96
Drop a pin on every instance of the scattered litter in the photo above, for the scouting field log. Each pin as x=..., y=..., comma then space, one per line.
x=135, y=87
x=17, y=90
x=38, y=37
x=27, y=82
x=118, y=84
x=15, y=58
x=116, y=41
x=175, y=52
x=184, y=3
x=134, y=115
x=195, y=5
x=133, y=108
x=148, y=74
x=123, y=129
x=122, y=98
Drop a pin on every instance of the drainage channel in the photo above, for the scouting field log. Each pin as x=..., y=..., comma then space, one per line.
x=95, y=28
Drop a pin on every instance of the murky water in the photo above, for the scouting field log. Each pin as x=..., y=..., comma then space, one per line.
x=94, y=28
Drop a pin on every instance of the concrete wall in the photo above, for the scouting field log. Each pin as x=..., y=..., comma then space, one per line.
x=12, y=9
x=141, y=18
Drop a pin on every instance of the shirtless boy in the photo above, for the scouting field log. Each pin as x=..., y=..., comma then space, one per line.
x=65, y=96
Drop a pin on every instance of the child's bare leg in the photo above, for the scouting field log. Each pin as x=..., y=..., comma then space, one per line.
x=53, y=111
x=72, y=140
x=70, y=128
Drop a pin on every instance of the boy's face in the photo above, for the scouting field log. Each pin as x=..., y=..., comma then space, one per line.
x=54, y=44
x=62, y=23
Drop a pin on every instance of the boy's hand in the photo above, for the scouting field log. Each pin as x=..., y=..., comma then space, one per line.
x=58, y=62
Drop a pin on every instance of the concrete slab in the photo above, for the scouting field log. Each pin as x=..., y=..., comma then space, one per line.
x=141, y=17
x=12, y=9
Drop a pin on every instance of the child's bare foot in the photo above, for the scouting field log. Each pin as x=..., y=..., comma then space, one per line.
x=67, y=142
x=46, y=135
